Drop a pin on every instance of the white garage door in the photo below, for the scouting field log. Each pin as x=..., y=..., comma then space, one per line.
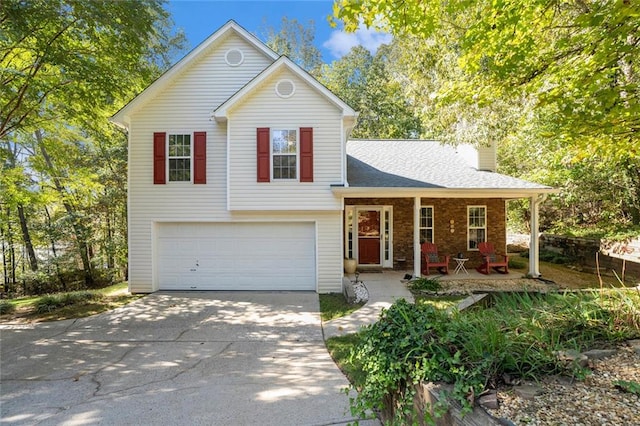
x=236, y=256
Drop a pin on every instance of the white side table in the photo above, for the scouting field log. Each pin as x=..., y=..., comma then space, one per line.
x=460, y=265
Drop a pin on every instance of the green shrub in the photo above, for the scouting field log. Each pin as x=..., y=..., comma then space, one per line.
x=550, y=256
x=430, y=285
x=6, y=307
x=517, y=263
x=519, y=335
x=51, y=302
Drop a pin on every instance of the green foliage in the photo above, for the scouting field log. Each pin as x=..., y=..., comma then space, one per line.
x=554, y=84
x=295, y=41
x=549, y=256
x=68, y=65
x=334, y=305
x=366, y=82
x=626, y=386
x=52, y=302
x=430, y=285
x=520, y=335
x=517, y=263
x=340, y=348
x=6, y=307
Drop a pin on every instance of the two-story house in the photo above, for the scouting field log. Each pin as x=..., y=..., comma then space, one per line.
x=241, y=177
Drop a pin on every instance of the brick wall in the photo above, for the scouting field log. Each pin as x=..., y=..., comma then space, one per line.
x=444, y=210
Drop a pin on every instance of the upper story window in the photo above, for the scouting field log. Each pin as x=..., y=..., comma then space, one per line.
x=182, y=156
x=477, y=226
x=284, y=151
x=179, y=158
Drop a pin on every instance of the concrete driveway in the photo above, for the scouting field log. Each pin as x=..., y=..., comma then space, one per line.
x=210, y=358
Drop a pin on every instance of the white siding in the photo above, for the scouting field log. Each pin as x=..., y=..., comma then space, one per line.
x=263, y=108
x=186, y=106
x=487, y=157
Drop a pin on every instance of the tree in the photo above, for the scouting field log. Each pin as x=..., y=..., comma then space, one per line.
x=295, y=41
x=368, y=84
x=65, y=67
x=561, y=73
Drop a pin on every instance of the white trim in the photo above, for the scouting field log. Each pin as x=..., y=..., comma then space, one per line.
x=417, y=256
x=226, y=57
x=282, y=95
x=433, y=221
x=168, y=157
x=271, y=154
x=486, y=236
x=396, y=192
x=387, y=262
x=122, y=117
x=221, y=112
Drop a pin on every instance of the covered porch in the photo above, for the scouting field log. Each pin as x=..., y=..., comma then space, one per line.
x=387, y=232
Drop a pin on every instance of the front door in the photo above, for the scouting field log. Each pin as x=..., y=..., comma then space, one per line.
x=369, y=233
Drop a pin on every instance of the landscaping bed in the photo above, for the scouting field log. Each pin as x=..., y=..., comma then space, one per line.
x=520, y=338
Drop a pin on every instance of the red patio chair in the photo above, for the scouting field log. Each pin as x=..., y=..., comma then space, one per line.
x=492, y=260
x=430, y=259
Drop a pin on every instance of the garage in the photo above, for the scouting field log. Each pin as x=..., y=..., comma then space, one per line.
x=236, y=256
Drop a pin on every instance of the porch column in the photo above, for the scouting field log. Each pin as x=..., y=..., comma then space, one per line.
x=416, y=236
x=534, y=243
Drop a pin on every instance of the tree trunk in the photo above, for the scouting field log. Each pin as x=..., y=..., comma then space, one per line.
x=80, y=231
x=63, y=283
x=26, y=237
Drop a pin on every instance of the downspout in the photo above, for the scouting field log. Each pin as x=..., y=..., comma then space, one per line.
x=534, y=243
x=416, y=236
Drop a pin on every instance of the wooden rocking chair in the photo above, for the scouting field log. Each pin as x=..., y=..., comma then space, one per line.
x=430, y=259
x=492, y=260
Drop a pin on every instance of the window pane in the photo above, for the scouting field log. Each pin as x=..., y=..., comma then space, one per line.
x=179, y=169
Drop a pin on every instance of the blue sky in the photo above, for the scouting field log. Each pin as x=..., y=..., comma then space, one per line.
x=200, y=18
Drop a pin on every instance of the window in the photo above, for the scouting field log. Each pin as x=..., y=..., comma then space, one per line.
x=176, y=155
x=284, y=151
x=477, y=226
x=179, y=158
x=426, y=224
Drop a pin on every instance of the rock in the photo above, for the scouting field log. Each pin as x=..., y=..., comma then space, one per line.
x=528, y=391
x=508, y=380
x=572, y=356
x=599, y=353
x=489, y=400
x=635, y=344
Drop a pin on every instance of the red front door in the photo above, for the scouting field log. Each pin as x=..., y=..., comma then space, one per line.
x=369, y=237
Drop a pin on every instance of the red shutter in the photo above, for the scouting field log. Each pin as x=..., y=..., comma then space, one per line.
x=200, y=157
x=306, y=154
x=159, y=158
x=264, y=155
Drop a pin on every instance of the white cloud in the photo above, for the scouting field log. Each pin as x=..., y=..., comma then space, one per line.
x=341, y=42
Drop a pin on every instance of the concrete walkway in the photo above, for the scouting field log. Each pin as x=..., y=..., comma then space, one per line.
x=384, y=288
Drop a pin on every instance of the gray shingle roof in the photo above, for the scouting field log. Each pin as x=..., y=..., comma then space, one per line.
x=419, y=164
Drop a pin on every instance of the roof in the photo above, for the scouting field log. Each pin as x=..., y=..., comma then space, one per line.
x=424, y=165
x=220, y=113
x=121, y=117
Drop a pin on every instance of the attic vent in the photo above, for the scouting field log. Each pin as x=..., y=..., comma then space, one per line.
x=285, y=88
x=234, y=57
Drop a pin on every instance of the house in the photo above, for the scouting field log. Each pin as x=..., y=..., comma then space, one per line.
x=241, y=177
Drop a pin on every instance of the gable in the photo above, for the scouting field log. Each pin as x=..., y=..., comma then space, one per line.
x=253, y=51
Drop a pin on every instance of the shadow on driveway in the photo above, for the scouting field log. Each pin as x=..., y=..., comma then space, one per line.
x=238, y=358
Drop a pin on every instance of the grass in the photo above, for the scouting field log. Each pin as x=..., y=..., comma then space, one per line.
x=77, y=304
x=334, y=305
x=340, y=350
x=438, y=302
x=569, y=278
